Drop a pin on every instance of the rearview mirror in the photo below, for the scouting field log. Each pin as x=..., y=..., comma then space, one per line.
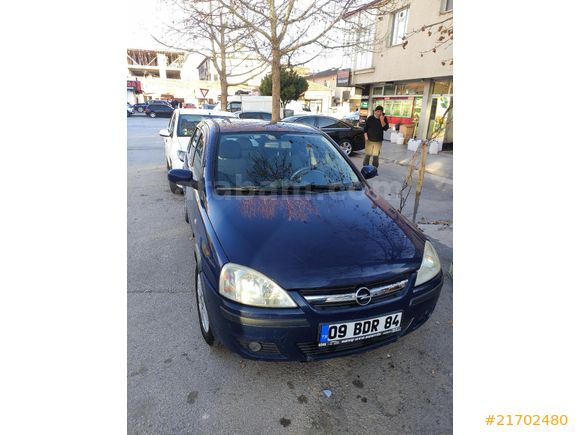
x=369, y=171
x=182, y=177
x=164, y=132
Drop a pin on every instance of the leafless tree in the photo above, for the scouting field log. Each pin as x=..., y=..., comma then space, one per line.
x=279, y=30
x=441, y=32
x=206, y=27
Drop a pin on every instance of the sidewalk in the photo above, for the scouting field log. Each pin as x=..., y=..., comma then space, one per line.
x=437, y=164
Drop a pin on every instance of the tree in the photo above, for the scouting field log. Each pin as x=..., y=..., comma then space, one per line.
x=281, y=29
x=292, y=86
x=205, y=27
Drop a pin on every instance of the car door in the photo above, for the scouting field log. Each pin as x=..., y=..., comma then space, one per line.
x=194, y=162
x=169, y=141
x=335, y=128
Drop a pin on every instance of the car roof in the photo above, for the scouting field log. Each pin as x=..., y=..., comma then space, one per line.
x=236, y=125
x=203, y=112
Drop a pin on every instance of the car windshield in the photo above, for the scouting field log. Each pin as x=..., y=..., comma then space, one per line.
x=281, y=161
x=187, y=123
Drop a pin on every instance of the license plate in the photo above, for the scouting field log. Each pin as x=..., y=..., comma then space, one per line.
x=347, y=332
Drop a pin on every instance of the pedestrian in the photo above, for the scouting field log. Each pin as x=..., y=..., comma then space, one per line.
x=374, y=127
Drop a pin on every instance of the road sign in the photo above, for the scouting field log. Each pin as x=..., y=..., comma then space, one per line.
x=204, y=92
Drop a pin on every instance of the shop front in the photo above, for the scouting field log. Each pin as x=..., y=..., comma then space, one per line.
x=403, y=104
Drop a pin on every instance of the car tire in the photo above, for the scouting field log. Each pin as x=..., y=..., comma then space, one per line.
x=152, y=114
x=346, y=146
x=140, y=109
x=202, y=313
x=174, y=188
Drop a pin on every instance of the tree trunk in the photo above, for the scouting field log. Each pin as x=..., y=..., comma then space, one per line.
x=276, y=84
x=223, y=79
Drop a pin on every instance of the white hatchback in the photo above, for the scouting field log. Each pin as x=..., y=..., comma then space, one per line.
x=176, y=136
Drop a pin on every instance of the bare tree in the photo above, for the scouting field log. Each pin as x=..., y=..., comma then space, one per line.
x=281, y=29
x=205, y=27
x=441, y=32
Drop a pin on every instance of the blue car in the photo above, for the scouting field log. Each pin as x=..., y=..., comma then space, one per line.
x=296, y=257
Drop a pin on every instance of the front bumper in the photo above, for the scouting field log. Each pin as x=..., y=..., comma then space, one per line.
x=292, y=334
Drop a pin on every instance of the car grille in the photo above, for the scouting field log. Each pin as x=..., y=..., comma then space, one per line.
x=312, y=349
x=346, y=296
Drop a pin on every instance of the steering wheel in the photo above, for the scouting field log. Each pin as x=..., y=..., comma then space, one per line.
x=305, y=170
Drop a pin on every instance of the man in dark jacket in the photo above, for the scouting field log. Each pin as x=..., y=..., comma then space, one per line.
x=374, y=127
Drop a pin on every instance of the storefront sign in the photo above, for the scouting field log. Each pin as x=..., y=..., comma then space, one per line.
x=343, y=77
x=134, y=85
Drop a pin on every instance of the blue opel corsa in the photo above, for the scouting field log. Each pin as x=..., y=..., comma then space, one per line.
x=296, y=258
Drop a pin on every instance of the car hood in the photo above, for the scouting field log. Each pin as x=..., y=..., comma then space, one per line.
x=316, y=240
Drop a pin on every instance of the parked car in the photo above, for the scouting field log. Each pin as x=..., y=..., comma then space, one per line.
x=348, y=137
x=130, y=109
x=140, y=107
x=295, y=256
x=177, y=135
x=266, y=116
x=161, y=110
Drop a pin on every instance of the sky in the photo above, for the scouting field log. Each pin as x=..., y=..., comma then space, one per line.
x=151, y=16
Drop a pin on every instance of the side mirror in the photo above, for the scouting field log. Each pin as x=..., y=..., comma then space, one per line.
x=164, y=132
x=369, y=171
x=182, y=177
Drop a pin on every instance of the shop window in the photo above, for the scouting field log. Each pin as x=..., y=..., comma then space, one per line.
x=400, y=21
x=377, y=91
x=389, y=89
x=410, y=89
x=442, y=87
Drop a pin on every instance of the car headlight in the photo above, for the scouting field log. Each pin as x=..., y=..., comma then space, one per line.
x=181, y=155
x=249, y=287
x=430, y=266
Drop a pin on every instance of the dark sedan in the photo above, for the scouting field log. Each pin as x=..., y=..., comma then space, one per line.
x=296, y=257
x=348, y=137
x=140, y=107
x=159, y=110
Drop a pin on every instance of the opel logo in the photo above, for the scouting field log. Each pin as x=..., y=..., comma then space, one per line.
x=363, y=296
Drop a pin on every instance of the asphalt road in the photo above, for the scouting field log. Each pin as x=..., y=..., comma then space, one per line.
x=177, y=384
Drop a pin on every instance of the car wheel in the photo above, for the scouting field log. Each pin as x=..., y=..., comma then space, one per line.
x=140, y=109
x=202, y=312
x=152, y=114
x=346, y=146
x=174, y=188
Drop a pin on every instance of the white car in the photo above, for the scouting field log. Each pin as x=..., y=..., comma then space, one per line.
x=130, y=109
x=177, y=135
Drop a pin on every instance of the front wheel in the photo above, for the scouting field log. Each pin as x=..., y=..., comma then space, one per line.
x=202, y=312
x=140, y=109
x=152, y=114
x=346, y=146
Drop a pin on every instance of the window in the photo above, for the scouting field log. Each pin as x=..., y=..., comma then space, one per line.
x=447, y=5
x=191, y=147
x=197, y=158
x=309, y=120
x=328, y=123
x=280, y=160
x=400, y=21
x=171, y=125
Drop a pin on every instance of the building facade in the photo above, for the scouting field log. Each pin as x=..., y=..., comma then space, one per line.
x=410, y=73
x=345, y=97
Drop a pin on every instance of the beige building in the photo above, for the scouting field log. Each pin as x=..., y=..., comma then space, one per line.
x=404, y=75
x=244, y=71
x=345, y=98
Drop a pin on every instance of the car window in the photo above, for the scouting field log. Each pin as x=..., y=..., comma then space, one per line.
x=248, y=115
x=171, y=125
x=308, y=120
x=266, y=116
x=324, y=122
x=197, y=156
x=280, y=160
x=187, y=123
x=191, y=146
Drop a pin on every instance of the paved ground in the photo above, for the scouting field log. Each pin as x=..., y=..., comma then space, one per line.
x=177, y=384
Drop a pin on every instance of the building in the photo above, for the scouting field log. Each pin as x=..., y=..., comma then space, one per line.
x=168, y=75
x=244, y=71
x=345, y=97
x=404, y=75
